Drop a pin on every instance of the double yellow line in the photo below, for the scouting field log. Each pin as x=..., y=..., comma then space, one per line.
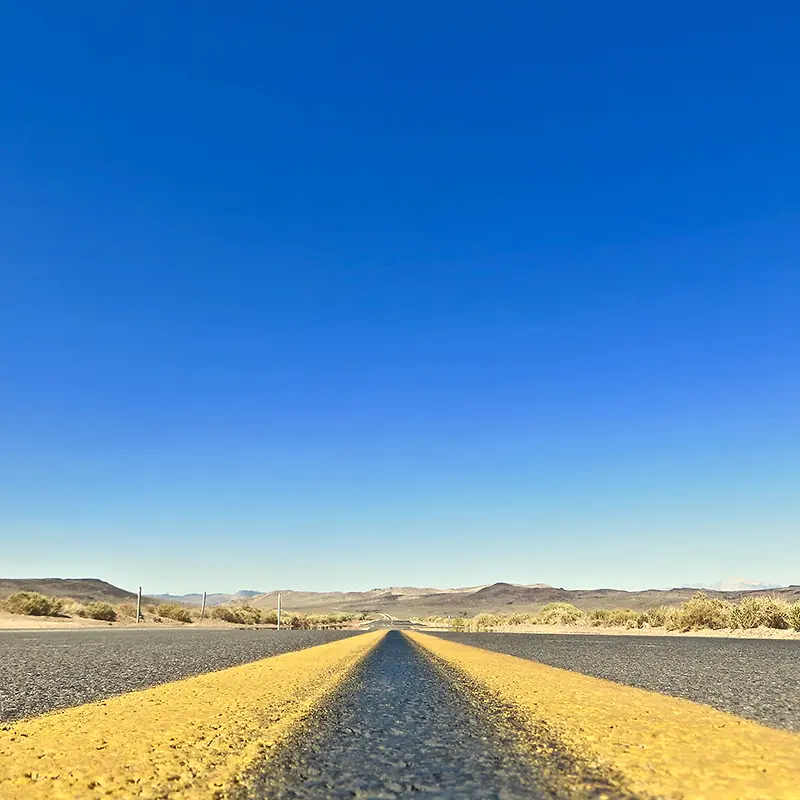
x=190, y=739
x=197, y=738
x=652, y=745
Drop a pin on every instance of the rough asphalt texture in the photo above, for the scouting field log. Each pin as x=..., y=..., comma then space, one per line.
x=45, y=670
x=400, y=728
x=754, y=678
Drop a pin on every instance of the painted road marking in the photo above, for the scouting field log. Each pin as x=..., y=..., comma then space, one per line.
x=187, y=739
x=660, y=746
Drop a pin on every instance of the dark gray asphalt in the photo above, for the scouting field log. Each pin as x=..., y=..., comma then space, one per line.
x=401, y=728
x=754, y=678
x=45, y=670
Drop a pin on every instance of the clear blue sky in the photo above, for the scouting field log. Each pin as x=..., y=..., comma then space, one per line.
x=338, y=295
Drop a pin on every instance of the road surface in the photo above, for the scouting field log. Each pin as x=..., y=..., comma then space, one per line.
x=395, y=713
x=754, y=678
x=45, y=670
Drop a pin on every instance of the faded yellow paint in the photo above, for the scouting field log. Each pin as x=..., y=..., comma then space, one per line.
x=661, y=746
x=188, y=739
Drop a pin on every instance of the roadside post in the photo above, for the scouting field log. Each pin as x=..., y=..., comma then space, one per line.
x=279, y=611
x=203, y=608
x=139, y=606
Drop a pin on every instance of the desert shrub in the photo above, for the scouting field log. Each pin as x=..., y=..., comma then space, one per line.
x=223, y=613
x=486, y=621
x=754, y=612
x=560, y=614
x=598, y=618
x=34, y=604
x=793, y=617
x=701, y=611
x=623, y=618
x=294, y=621
x=127, y=610
x=519, y=619
x=269, y=617
x=248, y=615
x=104, y=611
x=174, y=611
x=458, y=624
x=72, y=608
x=653, y=617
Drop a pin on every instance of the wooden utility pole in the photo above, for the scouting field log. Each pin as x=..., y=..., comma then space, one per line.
x=279, y=610
x=139, y=605
x=203, y=608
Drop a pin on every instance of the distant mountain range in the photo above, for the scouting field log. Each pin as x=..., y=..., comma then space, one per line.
x=406, y=601
x=402, y=601
x=216, y=599
x=735, y=585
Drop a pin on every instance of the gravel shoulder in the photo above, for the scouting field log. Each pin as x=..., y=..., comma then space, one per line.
x=755, y=679
x=48, y=670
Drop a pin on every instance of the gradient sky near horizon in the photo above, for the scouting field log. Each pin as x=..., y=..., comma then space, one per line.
x=343, y=295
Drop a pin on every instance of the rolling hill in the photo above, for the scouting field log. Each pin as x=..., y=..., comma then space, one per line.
x=86, y=590
x=398, y=601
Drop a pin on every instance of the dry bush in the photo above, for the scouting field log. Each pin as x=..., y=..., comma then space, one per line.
x=127, y=610
x=269, y=617
x=793, y=617
x=654, y=617
x=701, y=611
x=72, y=608
x=248, y=615
x=486, y=621
x=755, y=612
x=598, y=618
x=520, y=619
x=325, y=620
x=224, y=613
x=34, y=604
x=174, y=611
x=623, y=618
x=560, y=614
x=104, y=611
x=459, y=623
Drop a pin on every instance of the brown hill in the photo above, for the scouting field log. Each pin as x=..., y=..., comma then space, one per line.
x=404, y=602
x=86, y=590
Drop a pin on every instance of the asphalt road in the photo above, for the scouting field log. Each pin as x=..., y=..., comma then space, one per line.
x=45, y=670
x=400, y=728
x=754, y=678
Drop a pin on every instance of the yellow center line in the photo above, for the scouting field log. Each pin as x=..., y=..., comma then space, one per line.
x=188, y=739
x=661, y=746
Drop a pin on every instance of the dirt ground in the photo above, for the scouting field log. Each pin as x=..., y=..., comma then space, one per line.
x=23, y=622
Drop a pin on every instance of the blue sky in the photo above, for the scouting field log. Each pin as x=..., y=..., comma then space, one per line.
x=346, y=295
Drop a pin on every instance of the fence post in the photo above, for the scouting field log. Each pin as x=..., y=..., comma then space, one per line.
x=203, y=608
x=139, y=605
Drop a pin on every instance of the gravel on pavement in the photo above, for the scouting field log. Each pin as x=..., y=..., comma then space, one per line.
x=754, y=678
x=400, y=727
x=47, y=670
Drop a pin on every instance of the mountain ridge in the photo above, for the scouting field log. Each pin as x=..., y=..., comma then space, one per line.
x=401, y=601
